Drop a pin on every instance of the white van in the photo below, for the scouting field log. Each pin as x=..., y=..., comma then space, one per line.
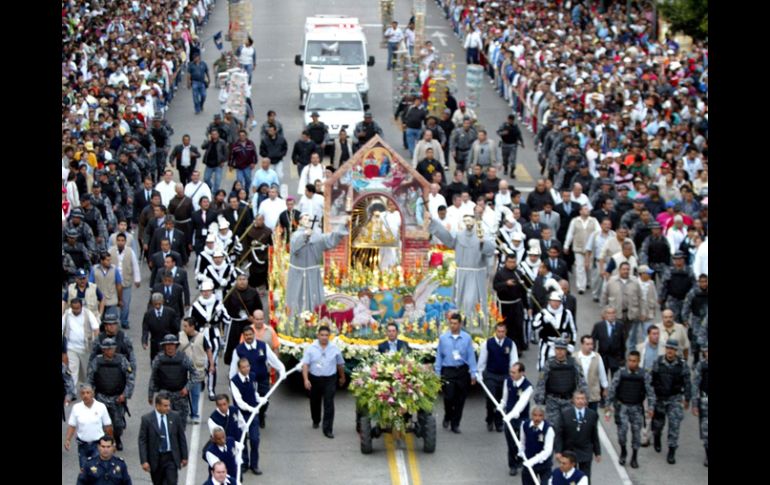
x=338, y=106
x=336, y=45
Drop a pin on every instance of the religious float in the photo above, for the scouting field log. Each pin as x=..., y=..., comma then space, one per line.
x=374, y=263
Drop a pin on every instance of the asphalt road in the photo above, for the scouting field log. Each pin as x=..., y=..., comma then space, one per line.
x=291, y=451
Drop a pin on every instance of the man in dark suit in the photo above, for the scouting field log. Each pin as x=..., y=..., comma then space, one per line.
x=557, y=265
x=162, y=443
x=393, y=343
x=178, y=275
x=568, y=299
x=178, y=158
x=158, y=321
x=233, y=213
x=606, y=211
x=142, y=197
x=157, y=261
x=172, y=292
x=579, y=432
x=533, y=228
x=201, y=220
x=567, y=211
x=610, y=339
x=175, y=236
x=547, y=241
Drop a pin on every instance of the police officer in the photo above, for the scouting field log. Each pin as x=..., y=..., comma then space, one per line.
x=76, y=249
x=675, y=285
x=456, y=364
x=172, y=372
x=113, y=378
x=259, y=355
x=93, y=219
x=670, y=379
x=628, y=390
x=85, y=234
x=510, y=138
x=694, y=310
x=497, y=356
x=319, y=133
x=514, y=406
x=112, y=331
x=700, y=401
x=460, y=142
x=104, y=468
x=561, y=376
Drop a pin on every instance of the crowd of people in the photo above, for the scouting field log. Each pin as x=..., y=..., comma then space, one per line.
x=620, y=123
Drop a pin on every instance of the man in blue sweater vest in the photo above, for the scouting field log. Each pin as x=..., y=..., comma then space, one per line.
x=517, y=391
x=259, y=355
x=224, y=449
x=567, y=474
x=537, y=436
x=497, y=356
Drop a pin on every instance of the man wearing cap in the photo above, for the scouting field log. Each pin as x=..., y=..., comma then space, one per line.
x=694, y=311
x=700, y=401
x=461, y=141
x=671, y=381
x=656, y=250
x=628, y=390
x=674, y=286
x=93, y=219
x=122, y=341
x=172, y=373
x=104, y=206
x=365, y=131
x=113, y=376
x=559, y=378
x=76, y=250
x=554, y=322
x=184, y=157
x=319, y=132
x=211, y=318
x=510, y=138
x=158, y=321
x=220, y=272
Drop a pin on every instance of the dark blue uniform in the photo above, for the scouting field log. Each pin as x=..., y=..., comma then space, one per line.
x=101, y=472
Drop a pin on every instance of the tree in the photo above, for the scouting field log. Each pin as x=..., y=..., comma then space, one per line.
x=689, y=17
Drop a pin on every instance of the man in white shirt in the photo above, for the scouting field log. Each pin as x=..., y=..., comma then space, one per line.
x=456, y=211
x=166, y=187
x=394, y=36
x=435, y=200
x=264, y=175
x=271, y=208
x=311, y=173
x=117, y=78
x=473, y=45
x=195, y=189
x=79, y=326
x=312, y=204
x=503, y=196
x=579, y=197
x=90, y=419
x=532, y=433
x=585, y=356
x=676, y=234
x=701, y=263
x=567, y=473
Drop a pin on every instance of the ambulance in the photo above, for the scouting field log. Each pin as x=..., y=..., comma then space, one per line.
x=334, y=45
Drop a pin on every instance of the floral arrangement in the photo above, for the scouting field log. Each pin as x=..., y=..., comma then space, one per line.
x=394, y=385
x=445, y=271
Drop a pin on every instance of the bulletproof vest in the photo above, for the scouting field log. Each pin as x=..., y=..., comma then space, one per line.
x=668, y=380
x=316, y=131
x=639, y=237
x=700, y=304
x=146, y=142
x=109, y=378
x=631, y=388
x=120, y=341
x=678, y=285
x=90, y=219
x=704, y=377
x=76, y=254
x=658, y=251
x=561, y=378
x=160, y=136
x=109, y=191
x=172, y=376
x=512, y=136
x=465, y=140
x=100, y=206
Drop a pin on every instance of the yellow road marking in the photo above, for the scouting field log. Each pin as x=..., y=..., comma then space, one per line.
x=522, y=175
x=414, y=470
x=391, y=449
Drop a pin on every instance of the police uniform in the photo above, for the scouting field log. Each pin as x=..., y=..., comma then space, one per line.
x=111, y=379
x=103, y=472
x=172, y=374
x=674, y=288
x=694, y=310
x=78, y=252
x=670, y=380
x=627, y=393
x=557, y=382
x=700, y=400
x=85, y=234
x=123, y=344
